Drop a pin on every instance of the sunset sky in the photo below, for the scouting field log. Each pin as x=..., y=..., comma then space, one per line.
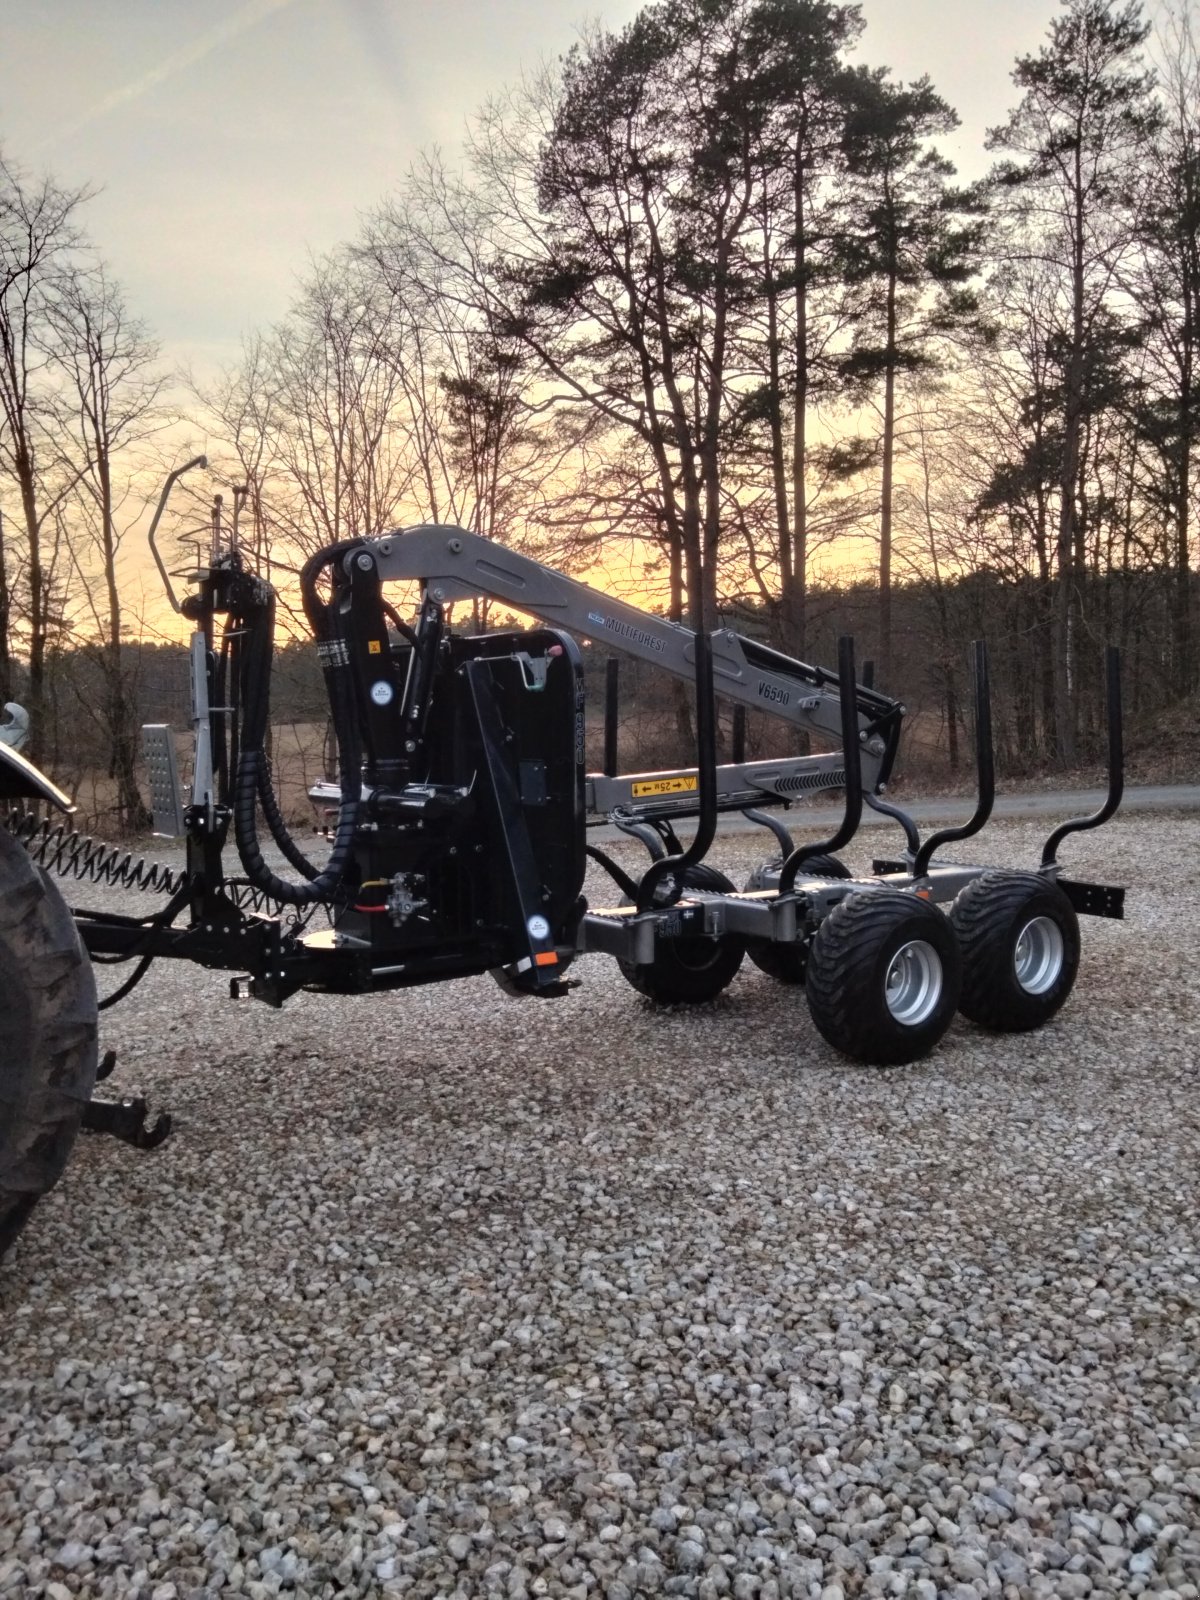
x=230, y=140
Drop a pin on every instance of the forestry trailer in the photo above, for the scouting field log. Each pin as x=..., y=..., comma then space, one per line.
x=460, y=841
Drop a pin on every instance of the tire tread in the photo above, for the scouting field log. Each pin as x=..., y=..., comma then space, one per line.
x=990, y=995
x=49, y=1067
x=841, y=977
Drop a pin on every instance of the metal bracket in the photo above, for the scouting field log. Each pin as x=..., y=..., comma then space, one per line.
x=126, y=1120
x=1094, y=899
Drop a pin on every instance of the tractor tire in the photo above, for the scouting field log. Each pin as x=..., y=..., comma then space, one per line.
x=884, y=975
x=786, y=962
x=689, y=971
x=48, y=1035
x=1019, y=937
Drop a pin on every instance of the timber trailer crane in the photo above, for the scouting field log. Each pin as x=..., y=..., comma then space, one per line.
x=460, y=845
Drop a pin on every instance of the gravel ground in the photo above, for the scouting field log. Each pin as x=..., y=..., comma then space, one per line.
x=450, y=1294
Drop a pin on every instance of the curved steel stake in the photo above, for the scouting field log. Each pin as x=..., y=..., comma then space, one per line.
x=985, y=767
x=1116, y=764
x=852, y=816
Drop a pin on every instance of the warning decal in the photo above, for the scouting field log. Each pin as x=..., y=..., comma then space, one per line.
x=652, y=786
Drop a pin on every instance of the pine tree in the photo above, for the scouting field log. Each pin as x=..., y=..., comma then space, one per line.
x=1070, y=195
x=909, y=250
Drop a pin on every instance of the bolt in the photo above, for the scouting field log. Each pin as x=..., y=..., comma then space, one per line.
x=410, y=745
x=364, y=562
x=438, y=594
x=455, y=546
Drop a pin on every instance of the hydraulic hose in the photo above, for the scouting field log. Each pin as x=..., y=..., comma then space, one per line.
x=252, y=781
x=225, y=749
x=269, y=802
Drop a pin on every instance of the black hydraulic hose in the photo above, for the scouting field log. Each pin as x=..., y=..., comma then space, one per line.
x=252, y=767
x=269, y=801
x=328, y=883
x=622, y=879
x=131, y=983
x=397, y=622
x=227, y=741
x=317, y=613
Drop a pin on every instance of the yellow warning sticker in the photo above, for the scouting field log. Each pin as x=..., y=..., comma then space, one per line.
x=653, y=786
x=374, y=647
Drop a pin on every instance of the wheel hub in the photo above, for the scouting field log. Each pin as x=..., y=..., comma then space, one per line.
x=1038, y=955
x=913, y=985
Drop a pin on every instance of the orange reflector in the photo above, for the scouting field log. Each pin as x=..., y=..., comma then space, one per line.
x=924, y=894
x=545, y=958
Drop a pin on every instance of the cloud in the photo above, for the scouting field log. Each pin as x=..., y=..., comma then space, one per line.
x=247, y=16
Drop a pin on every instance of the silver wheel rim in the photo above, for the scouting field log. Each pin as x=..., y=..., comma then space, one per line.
x=913, y=985
x=1038, y=955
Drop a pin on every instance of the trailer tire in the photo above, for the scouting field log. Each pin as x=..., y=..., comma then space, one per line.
x=48, y=1034
x=884, y=974
x=786, y=962
x=1019, y=937
x=692, y=971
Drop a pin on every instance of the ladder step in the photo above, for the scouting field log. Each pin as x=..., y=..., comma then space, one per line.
x=166, y=797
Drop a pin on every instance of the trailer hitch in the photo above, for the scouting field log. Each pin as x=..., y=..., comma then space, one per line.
x=126, y=1120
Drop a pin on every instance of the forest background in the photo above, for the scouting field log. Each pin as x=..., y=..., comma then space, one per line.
x=700, y=311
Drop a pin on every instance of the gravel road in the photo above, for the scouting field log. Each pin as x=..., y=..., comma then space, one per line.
x=447, y=1294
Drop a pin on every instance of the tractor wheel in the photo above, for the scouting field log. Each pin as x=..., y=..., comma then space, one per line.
x=786, y=962
x=1019, y=937
x=48, y=1032
x=884, y=974
x=689, y=971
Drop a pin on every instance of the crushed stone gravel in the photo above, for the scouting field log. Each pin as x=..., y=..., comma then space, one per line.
x=448, y=1294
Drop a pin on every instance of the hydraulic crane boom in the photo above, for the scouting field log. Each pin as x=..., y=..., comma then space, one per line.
x=454, y=564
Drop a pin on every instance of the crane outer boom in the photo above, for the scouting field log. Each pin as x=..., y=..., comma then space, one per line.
x=454, y=564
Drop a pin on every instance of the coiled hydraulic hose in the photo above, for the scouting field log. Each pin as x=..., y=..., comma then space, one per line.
x=61, y=850
x=67, y=853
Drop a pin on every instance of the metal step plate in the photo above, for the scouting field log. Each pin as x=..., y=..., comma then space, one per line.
x=166, y=799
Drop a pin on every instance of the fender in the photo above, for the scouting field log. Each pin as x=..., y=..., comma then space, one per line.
x=21, y=780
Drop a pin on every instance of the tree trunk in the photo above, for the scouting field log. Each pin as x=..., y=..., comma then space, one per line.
x=37, y=605
x=681, y=700
x=783, y=526
x=5, y=624
x=1184, y=666
x=1064, y=599
x=885, y=510
x=796, y=595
